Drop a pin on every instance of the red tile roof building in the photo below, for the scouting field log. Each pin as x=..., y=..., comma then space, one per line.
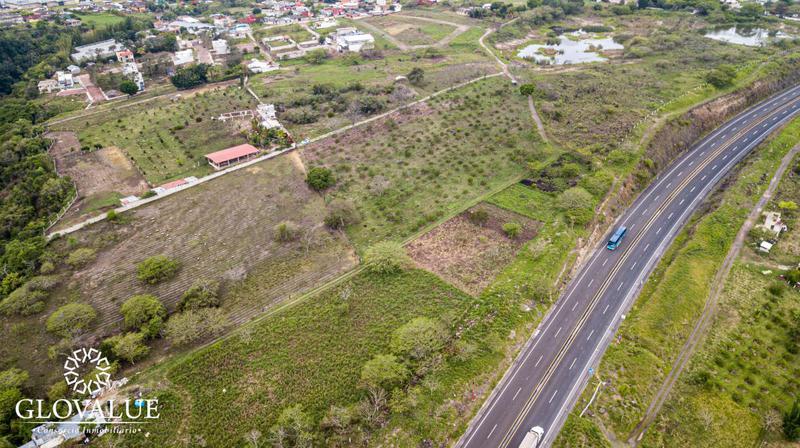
x=235, y=154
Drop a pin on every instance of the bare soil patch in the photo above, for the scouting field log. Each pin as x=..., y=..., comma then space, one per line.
x=469, y=255
x=101, y=176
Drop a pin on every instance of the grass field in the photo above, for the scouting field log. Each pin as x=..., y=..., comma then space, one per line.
x=100, y=21
x=168, y=138
x=666, y=310
x=296, y=32
x=221, y=230
x=310, y=354
x=410, y=31
x=410, y=169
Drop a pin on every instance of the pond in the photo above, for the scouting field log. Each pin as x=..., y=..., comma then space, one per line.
x=570, y=51
x=751, y=37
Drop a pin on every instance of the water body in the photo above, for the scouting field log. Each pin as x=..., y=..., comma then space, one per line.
x=751, y=37
x=570, y=51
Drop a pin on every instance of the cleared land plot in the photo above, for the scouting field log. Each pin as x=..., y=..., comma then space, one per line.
x=415, y=32
x=296, y=32
x=168, y=137
x=470, y=255
x=310, y=355
x=221, y=230
x=411, y=168
x=102, y=176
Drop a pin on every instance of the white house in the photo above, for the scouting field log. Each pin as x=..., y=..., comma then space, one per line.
x=351, y=39
x=240, y=31
x=104, y=49
x=183, y=57
x=220, y=47
x=773, y=223
x=267, y=114
x=64, y=80
x=256, y=66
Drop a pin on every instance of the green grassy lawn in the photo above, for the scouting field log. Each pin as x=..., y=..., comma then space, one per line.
x=296, y=32
x=411, y=169
x=167, y=139
x=100, y=21
x=666, y=310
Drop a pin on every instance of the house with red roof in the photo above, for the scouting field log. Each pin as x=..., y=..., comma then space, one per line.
x=232, y=155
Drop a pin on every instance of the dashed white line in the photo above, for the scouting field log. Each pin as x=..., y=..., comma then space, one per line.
x=680, y=174
x=690, y=191
x=703, y=178
x=551, y=398
x=682, y=201
x=620, y=285
x=590, y=335
x=648, y=244
x=634, y=265
x=515, y=395
x=669, y=184
x=658, y=231
x=574, y=305
x=670, y=216
x=590, y=283
x=604, y=311
x=605, y=261
x=714, y=167
x=492, y=431
x=573, y=363
x=538, y=360
x=559, y=329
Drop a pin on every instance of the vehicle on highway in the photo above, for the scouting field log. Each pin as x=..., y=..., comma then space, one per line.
x=616, y=238
x=532, y=438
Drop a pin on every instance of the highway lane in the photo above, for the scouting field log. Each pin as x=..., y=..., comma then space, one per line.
x=546, y=378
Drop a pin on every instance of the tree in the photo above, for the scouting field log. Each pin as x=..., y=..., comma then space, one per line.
x=71, y=319
x=316, y=57
x=721, y=76
x=577, y=204
x=157, y=269
x=527, y=90
x=369, y=105
x=416, y=76
x=292, y=429
x=320, y=178
x=129, y=347
x=512, y=229
x=191, y=76
x=144, y=312
x=791, y=422
x=128, y=87
x=384, y=371
x=387, y=257
x=419, y=338
x=193, y=325
x=202, y=294
x=79, y=258
x=341, y=213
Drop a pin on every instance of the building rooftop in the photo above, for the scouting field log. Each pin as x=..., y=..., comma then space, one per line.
x=232, y=153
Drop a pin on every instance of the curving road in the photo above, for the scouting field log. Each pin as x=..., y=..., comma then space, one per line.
x=547, y=377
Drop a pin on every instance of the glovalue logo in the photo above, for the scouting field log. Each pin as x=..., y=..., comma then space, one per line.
x=87, y=372
x=96, y=361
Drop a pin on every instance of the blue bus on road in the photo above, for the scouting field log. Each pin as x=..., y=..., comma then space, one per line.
x=616, y=238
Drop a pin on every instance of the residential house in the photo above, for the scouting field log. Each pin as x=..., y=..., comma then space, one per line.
x=256, y=66
x=267, y=114
x=353, y=40
x=125, y=56
x=103, y=49
x=772, y=223
x=64, y=80
x=220, y=47
x=48, y=86
x=183, y=57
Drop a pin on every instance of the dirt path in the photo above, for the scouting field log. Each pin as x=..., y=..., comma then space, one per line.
x=503, y=66
x=535, y=116
x=396, y=42
x=702, y=325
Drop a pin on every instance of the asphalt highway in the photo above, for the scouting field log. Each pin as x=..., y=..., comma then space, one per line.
x=545, y=380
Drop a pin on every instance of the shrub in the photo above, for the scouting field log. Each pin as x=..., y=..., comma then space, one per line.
x=791, y=422
x=144, y=312
x=193, y=325
x=202, y=294
x=128, y=87
x=341, y=214
x=286, y=231
x=383, y=371
x=80, y=257
x=157, y=269
x=527, y=89
x=130, y=347
x=478, y=217
x=300, y=115
x=419, y=339
x=368, y=105
x=386, y=257
x=577, y=204
x=776, y=289
x=71, y=319
x=320, y=178
x=721, y=76
x=512, y=229
x=416, y=76
x=29, y=298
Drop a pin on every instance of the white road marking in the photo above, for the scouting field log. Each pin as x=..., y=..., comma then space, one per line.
x=559, y=330
x=573, y=363
x=574, y=305
x=703, y=178
x=658, y=231
x=515, y=395
x=714, y=167
x=691, y=191
x=680, y=174
x=554, y=396
x=670, y=216
x=656, y=198
x=669, y=185
x=682, y=201
x=590, y=335
x=643, y=213
x=648, y=244
x=604, y=311
x=691, y=163
x=620, y=286
x=590, y=283
x=605, y=261
x=634, y=265
x=492, y=431
x=538, y=360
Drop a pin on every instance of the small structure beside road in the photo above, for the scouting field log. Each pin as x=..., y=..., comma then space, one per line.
x=232, y=155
